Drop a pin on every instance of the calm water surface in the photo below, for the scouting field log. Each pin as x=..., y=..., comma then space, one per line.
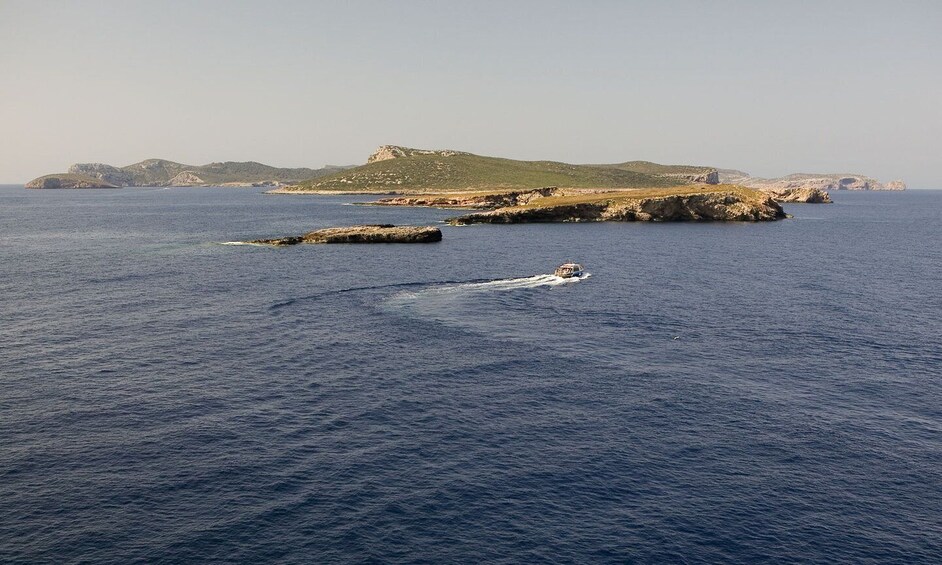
x=712, y=393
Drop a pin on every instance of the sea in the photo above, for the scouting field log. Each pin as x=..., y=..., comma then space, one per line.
x=712, y=393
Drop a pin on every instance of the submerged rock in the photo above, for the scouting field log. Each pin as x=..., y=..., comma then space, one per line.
x=379, y=233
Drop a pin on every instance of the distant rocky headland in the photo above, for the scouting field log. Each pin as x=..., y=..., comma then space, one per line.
x=160, y=172
x=808, y=181
x=379, y=233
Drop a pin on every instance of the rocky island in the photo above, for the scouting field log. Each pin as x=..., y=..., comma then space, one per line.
x=160, y=172
x=378, y=233
x=458, y=179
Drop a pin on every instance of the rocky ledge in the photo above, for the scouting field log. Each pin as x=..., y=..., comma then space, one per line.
x=732, y=204
x=380, y=233
x=809, y=195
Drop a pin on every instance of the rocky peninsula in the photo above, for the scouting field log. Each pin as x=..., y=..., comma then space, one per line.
x=379, y=233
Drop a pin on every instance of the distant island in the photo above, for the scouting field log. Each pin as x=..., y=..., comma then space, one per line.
x=804, y=181
x=160, y=172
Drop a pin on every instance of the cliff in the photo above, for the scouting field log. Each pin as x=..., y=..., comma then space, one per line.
x=160, y=172
x=381, y=233
x=802, y=181
x=697, y=204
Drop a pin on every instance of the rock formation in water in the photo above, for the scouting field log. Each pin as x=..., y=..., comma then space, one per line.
x=807, y=195
x=728, y=204
x=379, y=233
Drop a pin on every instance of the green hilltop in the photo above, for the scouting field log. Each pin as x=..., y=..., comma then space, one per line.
x=401, y=169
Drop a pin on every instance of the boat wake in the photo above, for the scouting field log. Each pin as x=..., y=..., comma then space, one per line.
x=439, y=289
x=535, y=281
x=498, y=285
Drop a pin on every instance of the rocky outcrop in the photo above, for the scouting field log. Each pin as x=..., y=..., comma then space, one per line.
x=472, y=200
x=103, y=172
x=380, y=233
x=386, y=152
x=822, y=182
x=68, y=181
x=186, y=178
x=807, y=195
x=709, y=177
x=708, y=206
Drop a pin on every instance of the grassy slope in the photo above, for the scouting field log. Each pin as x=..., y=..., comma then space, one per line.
x=474, y=172
x=649, y=168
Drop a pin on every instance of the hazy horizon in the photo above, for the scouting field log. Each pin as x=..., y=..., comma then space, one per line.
x=765, y=88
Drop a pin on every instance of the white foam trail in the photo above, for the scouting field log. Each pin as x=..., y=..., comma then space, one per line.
x=240, y=243
x=498, y=285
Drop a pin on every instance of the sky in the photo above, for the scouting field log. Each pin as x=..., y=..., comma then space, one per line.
x=767, y=87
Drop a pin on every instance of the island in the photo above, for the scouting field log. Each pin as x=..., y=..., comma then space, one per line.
x=794, y=183
x=161, y=172
x=377, y=233
x=459, y=179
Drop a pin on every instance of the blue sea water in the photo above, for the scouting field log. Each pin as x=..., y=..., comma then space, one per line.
x=722, y=393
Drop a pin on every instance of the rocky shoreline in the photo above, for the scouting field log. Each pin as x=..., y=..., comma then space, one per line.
x=707, y=206
x=379, y=233
x=805, y=195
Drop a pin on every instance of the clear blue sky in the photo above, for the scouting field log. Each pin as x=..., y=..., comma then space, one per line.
x=766, y=87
